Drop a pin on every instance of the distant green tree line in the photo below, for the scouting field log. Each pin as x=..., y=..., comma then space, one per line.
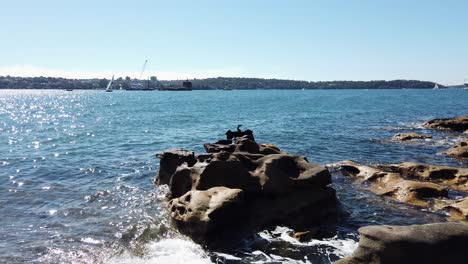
x=257, y=83
x=8, y=82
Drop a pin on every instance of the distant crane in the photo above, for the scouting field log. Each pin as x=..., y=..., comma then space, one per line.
x=146, y=84
x=143, y=69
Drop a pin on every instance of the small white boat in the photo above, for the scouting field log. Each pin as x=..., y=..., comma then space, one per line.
x=110, y=84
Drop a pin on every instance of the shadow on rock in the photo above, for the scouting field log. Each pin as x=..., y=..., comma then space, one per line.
x=240, y=187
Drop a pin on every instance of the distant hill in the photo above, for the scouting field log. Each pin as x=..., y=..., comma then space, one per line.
x=258, y=83
x=8, y=82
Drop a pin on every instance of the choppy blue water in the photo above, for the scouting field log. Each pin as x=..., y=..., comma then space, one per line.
x=76, y=168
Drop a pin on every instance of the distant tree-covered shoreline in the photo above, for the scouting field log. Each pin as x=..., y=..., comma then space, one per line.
x=219, y=83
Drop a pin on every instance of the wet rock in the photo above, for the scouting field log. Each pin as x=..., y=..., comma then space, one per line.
x=458, y=124
x=361, y=172
x=302, y=236
x=393, y=185
x=410, y=136
x=220, y=211
x=431, y=243
x=201, y=212
x=170, y=160
x=454, y=177
x=307, y=235
x=409, y=192
x=459, y=209
x=459, y=151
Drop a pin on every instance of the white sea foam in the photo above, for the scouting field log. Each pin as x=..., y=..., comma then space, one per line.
x=227, y=256
x=340, y=247
x=172, y=251
x=275, y=259
x=91, y=240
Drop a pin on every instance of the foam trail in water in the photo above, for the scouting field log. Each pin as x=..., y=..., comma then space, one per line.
x=340, y=247
x=172, y=251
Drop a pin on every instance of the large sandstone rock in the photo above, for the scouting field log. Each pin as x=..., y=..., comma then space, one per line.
x=221, y=169
x=459, y=123
x=270, y=174
x=460, y=150
x=410, y=136
x=218, y=211
x=431, y=243
x=454, y=177
x=271, y=187
x=392, y=185
x=201, y=212
x=283, y=173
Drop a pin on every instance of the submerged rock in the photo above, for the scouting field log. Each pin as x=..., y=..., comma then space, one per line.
x=243, y=185
x=458, y=124
x=459, y=151
x=431, y=243
x=410, y=136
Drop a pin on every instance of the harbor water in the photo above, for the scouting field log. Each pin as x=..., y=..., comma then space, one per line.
x=77, y=168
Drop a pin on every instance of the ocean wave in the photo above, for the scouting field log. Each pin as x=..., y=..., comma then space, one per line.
x=173, y=250
x=339, y=246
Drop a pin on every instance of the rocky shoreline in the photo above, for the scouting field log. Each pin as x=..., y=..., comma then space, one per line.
x=239, y=187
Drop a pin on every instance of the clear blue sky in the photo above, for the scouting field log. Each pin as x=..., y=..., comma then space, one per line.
x=307, y=40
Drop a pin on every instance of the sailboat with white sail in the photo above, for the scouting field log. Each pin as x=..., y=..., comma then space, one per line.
x=436, y=87
x=110, y=85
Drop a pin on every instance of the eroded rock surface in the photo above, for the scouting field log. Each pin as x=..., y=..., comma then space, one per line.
x=460, y=150
x=431, y=243
x=393, y=185
x=410, y=136
x=454, y=177
x=271, y=187
x=202, y=211
x=413, y=183
x=459, y=209
x=458, y=124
